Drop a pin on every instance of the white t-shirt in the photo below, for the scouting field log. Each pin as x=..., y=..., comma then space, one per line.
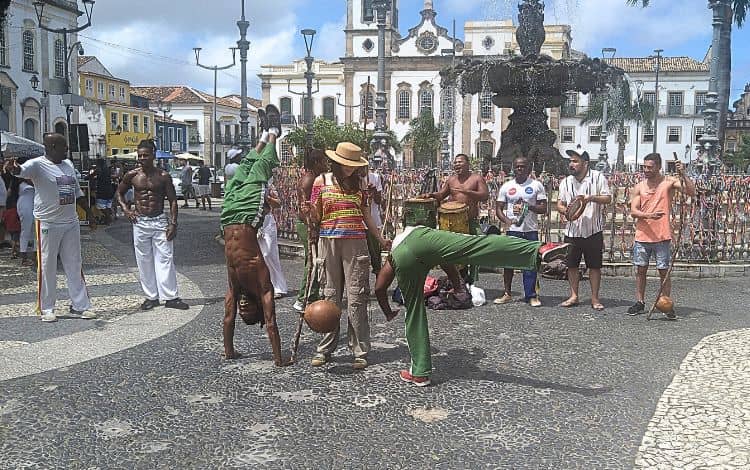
x=591, y=221
x=375, y=180
x=56, y=189
x=530, y=191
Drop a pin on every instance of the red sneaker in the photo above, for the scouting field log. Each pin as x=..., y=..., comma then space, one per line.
x=418, y=381
x=553, y=251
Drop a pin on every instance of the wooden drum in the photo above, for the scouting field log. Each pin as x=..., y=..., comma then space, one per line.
x=454, y=217
x=420, y=212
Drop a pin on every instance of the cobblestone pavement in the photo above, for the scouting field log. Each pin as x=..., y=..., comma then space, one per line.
x=514, y=387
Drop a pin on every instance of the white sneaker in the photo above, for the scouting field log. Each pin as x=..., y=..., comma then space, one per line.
x=89, y=315
x=298, y=306
x=49, y=317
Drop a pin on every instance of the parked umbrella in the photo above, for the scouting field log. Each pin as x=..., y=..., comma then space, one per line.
x=15, y=146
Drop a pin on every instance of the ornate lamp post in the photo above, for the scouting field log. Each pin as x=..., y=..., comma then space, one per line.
x=307, y=114
x=710, y=139
x=380, y=136
x=216, y=69
x=88, y=6
x=603, y=163
x=243, y=45
x=34, y=80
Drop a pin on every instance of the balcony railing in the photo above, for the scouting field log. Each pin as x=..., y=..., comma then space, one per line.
x=664, y=111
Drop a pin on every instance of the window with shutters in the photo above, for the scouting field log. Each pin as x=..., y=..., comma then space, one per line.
x=595, y=133
x=59, y=58
x=675, y=103
x=329, y=109
x=28, y=51
x=674, y=134
x=568, y=134
x=404, y=104
x=485, y=106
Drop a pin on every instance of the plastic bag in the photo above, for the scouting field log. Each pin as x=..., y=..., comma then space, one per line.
x=477, y=296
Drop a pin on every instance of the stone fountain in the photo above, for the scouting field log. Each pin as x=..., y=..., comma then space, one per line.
x=529, y=84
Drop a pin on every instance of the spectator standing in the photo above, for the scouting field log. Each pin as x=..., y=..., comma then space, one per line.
x=25, y=209
x=186, y=183
x=204, y=190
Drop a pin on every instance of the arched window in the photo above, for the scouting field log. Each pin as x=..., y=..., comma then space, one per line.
x=425, y=101
x=59, y=58
x=29, y=129
x=329, y=108
x=3, y=45
x=367, y=104
x=404, y=104
x=60, y=128
x=28, y=51
x=485, y=105
x=285, y=108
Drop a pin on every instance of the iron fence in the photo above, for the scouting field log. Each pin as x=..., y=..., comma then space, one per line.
x=715, y=223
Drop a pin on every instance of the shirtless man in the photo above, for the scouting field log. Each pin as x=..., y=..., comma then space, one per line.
x=469, y=188
x=250, y=291
x=153, y=231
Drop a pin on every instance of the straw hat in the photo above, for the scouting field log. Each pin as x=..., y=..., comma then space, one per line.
x=347, y=154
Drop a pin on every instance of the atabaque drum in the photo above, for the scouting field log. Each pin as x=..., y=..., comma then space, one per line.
x=453, y=216
x=420, y=212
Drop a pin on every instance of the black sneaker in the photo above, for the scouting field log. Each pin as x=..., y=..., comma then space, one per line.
x=637, y=308
x=149, y=304
x=262, y=122
x=176, y=303
x=670, y=315
x=273, y=117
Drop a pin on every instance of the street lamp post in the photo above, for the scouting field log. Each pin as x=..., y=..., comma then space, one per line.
x=163, y=107
x=243, y=45
x=710, y=139
x=657, y=68
x=603, y=163
x=216, y=69
x=88, y=6
x=307, y=114
x=380, y=136
x=639, y=116
x=34, y=80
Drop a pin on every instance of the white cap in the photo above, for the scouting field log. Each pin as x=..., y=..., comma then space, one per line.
x=233, y=153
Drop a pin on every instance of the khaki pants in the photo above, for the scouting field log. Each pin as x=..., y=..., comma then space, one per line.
x=347, y=266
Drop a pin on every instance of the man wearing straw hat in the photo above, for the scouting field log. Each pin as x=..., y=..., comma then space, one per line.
x=250, y=291
x=340, y=220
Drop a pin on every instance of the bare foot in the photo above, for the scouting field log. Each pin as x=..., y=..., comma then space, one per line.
x=231, y=355
x=571, y=302
x=286, y=363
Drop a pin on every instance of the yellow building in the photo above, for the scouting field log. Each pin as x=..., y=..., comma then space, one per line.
x=116, y=121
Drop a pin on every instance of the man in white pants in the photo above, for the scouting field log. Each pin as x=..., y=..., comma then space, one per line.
x=269, y=244
x=153, y=231
x=58, y=229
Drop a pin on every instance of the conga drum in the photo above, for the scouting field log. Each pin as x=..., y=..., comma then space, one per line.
x=420, y=212
x=454, y=217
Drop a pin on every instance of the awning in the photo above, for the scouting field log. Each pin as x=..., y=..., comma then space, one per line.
x=19, y=147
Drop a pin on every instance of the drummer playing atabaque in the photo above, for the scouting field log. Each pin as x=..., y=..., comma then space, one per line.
x=469, y=188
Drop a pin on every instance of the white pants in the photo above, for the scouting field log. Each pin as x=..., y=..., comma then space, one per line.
x=154, y=256
x=63, y=240
x=25, y=208
x=269, y=246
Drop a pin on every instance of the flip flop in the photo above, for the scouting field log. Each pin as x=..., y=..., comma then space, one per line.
x=568, y=304
x=598, y=307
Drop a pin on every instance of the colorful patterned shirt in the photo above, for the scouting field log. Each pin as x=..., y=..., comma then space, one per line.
x=342, y=213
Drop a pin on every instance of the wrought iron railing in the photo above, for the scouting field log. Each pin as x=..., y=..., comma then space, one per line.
x=715, y=224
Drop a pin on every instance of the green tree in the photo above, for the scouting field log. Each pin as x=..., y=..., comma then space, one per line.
x=734, y=12
x=621, y=109
x=740, y=159
x=424, y=137
x=327, y=135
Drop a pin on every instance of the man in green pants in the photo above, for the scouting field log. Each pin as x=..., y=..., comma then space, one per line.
x=418, y=249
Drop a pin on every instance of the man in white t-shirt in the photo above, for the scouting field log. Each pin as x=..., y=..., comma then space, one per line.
x=233, y=156
x=375, y=199
x=58, y=229
x=585, y=234
x=518, y=203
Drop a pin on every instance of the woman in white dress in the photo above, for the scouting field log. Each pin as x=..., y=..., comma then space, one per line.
x=269, y=245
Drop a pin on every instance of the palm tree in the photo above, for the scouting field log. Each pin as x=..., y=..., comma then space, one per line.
x=424, y=138
x=621, y=109
x=735, y=12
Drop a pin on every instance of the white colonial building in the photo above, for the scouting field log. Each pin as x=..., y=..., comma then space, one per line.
x=683, y=84
x=195, y=108
x=27, y=51
x=412, y=81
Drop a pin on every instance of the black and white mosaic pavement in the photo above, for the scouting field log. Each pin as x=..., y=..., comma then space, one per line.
x=514, y=387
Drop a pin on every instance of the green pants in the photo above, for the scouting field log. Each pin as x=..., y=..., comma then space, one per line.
x=473, y=274
x=424, y=248
x=245, y=193
x=314, y=291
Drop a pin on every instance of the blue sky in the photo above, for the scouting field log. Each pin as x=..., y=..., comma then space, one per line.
x=156, y=49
